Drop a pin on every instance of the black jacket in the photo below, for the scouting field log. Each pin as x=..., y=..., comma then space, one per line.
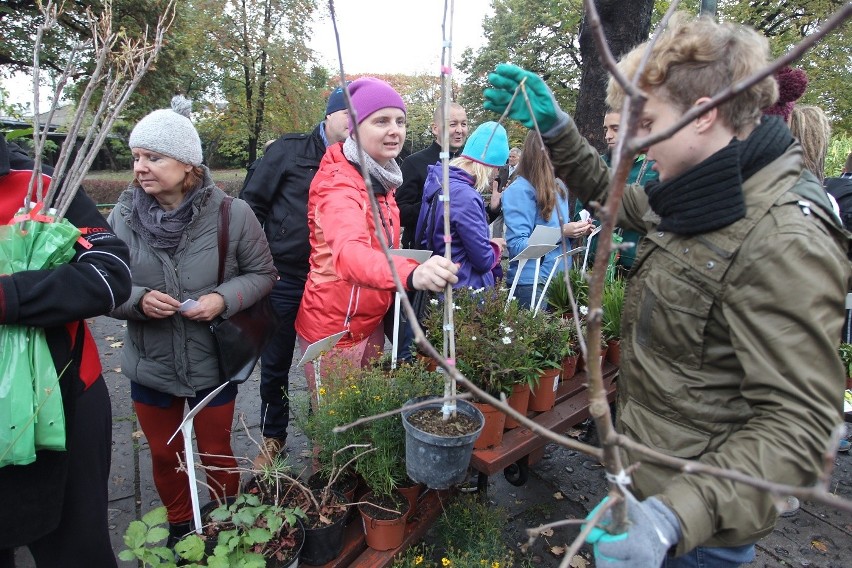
x=841, y=189
x=277, y=192
x=94, y=282
x=410, y=193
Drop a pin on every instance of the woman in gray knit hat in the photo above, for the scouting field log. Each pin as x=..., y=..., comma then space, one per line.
x=169, y=217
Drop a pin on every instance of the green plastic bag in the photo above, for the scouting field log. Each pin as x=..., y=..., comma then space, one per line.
x=31, y=412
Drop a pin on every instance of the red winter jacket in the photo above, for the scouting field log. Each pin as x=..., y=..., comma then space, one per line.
x=349, y=272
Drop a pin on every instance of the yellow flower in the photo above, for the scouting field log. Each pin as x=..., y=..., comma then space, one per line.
x=331, y=412
x=446, y=562
x=322, y=391
x=418, y=560
x=495, y=564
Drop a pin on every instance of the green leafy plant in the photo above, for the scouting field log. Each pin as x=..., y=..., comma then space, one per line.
x=558, y=297
x=612, y=304
x=551, y=338
x=845, y=351
x=145, y=541
x=246, y=532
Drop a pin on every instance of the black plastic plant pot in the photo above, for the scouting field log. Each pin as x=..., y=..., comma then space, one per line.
x=439, y=462
x=324, y=544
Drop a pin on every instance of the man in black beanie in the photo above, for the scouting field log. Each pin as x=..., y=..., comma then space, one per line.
x=278, y=194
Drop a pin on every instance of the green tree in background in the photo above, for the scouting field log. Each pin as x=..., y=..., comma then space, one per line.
x=539, y=36
x=259, y=51
x=19, y=20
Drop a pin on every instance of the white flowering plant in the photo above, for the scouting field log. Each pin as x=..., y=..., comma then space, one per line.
x=491, y=348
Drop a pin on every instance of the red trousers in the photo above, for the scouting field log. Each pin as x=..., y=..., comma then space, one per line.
x=213, y=438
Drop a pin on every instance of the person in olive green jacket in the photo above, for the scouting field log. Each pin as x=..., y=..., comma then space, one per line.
x=733, y=307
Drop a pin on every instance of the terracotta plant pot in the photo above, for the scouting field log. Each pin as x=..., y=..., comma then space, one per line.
x=382, y=529
x=412, y=494
x=492, y=430
x=519, y=400
x=613, y=351
x=543, y=396
x=569, y=367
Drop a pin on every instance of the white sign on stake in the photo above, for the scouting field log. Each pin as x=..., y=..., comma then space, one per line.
x=553, y=269
x=186, y=428
x=597, y=230
x=531, y=252
x=315, y=351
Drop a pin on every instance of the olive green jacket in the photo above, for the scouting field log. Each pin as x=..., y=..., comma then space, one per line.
x=729, y=343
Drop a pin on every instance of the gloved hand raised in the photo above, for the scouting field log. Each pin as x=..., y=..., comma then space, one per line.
x=506, y=78
x=652, y=529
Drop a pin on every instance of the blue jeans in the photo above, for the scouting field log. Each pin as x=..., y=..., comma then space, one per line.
x=712, y=557
x=275, y=362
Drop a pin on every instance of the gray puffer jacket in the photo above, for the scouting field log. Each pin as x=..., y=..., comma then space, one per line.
x=177, y=355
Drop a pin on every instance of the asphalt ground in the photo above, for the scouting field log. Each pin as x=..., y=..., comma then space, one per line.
x=564, y=484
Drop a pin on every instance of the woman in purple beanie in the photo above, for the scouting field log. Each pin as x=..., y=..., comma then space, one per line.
x=350, y=286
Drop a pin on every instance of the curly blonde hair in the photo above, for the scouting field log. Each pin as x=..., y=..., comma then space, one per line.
x=697, y=57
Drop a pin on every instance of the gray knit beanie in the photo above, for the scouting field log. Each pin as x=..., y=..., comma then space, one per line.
x=169, y=132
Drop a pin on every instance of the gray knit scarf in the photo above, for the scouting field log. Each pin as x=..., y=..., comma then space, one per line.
x=389, y=176
x=158, y=227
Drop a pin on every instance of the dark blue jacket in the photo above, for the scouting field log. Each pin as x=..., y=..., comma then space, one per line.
x=471, y=247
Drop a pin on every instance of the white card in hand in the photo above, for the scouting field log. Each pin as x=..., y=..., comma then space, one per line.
x=188, y=304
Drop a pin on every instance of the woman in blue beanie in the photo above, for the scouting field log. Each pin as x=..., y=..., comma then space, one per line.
x=471, y=174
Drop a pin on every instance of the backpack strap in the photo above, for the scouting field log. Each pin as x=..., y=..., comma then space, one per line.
x=430, y=222
x=224, y=233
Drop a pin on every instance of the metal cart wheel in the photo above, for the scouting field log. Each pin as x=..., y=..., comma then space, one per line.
x=518, y=472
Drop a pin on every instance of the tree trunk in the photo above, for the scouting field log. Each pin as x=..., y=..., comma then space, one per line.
x=625, y=24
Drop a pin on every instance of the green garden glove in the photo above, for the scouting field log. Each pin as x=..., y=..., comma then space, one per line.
x=652, y=529
x=506, y=78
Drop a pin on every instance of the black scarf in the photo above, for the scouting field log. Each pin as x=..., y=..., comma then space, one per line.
x=710, y=195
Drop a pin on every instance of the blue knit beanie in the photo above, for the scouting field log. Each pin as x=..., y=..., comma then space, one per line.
x=336, y=101
x=497, y=152
x=169, y=132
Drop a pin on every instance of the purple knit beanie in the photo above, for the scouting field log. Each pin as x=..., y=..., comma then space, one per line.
x=369, y=94
x=791, y=86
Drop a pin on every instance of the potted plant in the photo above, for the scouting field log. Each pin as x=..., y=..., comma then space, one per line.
x=490, y=349
x=612, y=304
x=558, y=297
x=369, y=392
x=240, y=532
x=550, y=340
